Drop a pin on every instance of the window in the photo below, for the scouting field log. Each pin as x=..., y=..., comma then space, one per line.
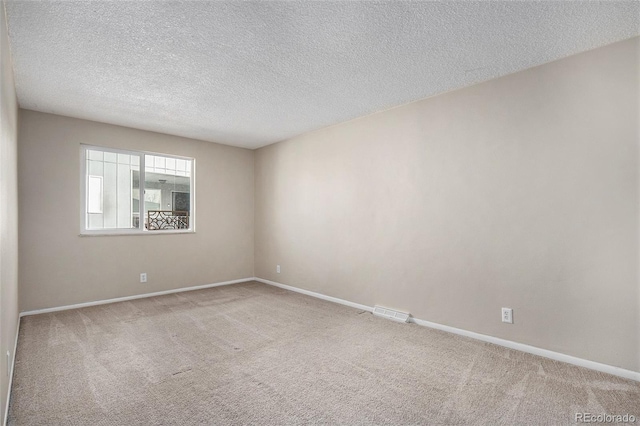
x=115, y=182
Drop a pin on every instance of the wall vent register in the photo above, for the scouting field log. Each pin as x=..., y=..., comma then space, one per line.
x=391, y=314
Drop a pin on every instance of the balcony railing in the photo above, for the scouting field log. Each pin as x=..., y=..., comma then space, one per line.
x=158, y=220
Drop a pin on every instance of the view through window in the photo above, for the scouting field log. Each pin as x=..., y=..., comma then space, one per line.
x=115, y=181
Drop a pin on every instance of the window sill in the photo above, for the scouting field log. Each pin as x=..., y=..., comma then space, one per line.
x=133, y=233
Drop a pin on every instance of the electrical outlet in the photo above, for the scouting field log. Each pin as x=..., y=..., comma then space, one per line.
x=278, y=269
x=507, y=315
x=143, y=277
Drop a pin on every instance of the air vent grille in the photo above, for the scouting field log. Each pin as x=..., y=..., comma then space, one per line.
x=391, y=314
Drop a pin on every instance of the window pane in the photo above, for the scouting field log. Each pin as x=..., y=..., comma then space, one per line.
x=135, y=196
x=167, y=195
x=160, y=162
x=110, y=194
x=116, y=198
x=124, y=158
x=94, y=194
x=124, y=187
x=171, y=164
x=110, y=157
x=95, y=168
x=95, y=155
x=112, y=186
x=149, y=163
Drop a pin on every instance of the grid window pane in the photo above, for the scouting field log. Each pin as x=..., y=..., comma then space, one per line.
x=110, y=190
x=171, y=163
x=95, y=155
x=110, y=157
x=167, y=194
x=94, y=195
x=124, y=159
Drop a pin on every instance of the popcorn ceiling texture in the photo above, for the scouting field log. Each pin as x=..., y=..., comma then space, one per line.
x=253, y=73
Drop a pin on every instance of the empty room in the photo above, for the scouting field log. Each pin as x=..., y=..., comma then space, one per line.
x=319, y=212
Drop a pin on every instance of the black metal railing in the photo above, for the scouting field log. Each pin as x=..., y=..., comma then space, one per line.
x=158, y=220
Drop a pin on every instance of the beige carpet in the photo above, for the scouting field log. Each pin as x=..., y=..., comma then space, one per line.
x=254, y=354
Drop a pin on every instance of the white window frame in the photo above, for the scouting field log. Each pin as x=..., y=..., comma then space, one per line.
x=84, y=177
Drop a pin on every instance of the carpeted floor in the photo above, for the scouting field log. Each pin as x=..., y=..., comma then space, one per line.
x=255, y=354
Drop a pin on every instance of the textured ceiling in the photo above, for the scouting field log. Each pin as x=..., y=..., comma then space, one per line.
x=253, y=73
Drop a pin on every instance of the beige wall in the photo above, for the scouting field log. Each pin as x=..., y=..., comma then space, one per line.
x=520, y=192
x=8, y=211
x=58, y=267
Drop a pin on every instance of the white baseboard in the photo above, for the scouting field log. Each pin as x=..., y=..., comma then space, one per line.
x=314, y=294
x=557, y=356
x=605, y=368
x=136, y=296
x=13, y=363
